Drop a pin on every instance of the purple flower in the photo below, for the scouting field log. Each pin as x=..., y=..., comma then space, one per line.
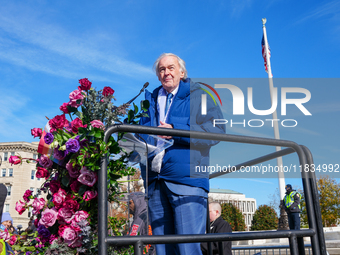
x=43, y=232
x=48, y=138
x=45, y=161
x=57, y=154
x=72, y=145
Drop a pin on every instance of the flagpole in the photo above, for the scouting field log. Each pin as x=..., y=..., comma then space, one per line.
x=275, y=119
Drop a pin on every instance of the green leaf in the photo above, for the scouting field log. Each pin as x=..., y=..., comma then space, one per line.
x=131, y=115
x=136, y=108
x=65, y=181
x=82, y=190
x=145, y=104
x=98, y=134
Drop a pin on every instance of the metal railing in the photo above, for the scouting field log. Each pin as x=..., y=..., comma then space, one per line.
x=295, y=237
x=265, y=250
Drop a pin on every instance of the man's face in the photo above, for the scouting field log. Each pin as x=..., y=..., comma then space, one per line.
x=170, y=73
x=213, y=214
x=132, y=206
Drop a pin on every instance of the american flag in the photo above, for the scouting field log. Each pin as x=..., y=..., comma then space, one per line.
x=264, y=53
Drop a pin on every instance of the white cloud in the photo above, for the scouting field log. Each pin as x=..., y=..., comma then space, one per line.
x=331, y=8
x=41, y=46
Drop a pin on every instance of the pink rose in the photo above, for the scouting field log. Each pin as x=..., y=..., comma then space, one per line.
x=68, y=233
x=79, y=216
x=107, y=91
x=65, y=214
x=42, y=173
x=38, y=204
x=20, y=207
x=27, y=194
x=85, y=84
x=97, y=124
x=36, y=132
x=75, y=124
x=54, y=186
x=88, y=195
x=48, y=217
x=71, y=204
x=58, y=122
x=53, y=238
x=59, y=197
x=73, y=171
x=76, y=243
x=12, y=239
x=45, y=161
x=14, y=160
x=75, y=185
x=64, y=108
x=5, y=235
x=87, y=177
x=76, y=98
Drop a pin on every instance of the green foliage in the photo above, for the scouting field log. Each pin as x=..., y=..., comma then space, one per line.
x=265, y=218
x=233, y=216
x=329, y=193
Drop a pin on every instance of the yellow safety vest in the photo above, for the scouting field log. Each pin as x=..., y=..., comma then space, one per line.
x=289, y=199
x=2, y=247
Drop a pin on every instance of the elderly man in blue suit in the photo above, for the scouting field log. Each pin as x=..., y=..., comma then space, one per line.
x=177, y=192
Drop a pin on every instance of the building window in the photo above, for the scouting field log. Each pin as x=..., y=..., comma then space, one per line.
x=6, y=207
x=10, y=172
x=9, y=190
x=32, y=174
x=12, y=153
x=38, y=191
x=3, y=172
x=35, y=156
x=5, y=156
x=32, y=189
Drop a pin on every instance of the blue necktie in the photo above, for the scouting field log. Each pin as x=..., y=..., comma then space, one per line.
x=168, y=101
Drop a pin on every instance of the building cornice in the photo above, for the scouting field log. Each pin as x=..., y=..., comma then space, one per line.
x=19, y=146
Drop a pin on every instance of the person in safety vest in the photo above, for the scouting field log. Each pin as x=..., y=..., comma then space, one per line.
x=292, y=206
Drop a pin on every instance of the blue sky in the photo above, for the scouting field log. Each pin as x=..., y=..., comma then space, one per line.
x=46, y=46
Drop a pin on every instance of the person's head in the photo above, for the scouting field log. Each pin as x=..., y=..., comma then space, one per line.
x=289, y=188
x=6, y=220
x=131, y=206
x=215, y=211
x=137, y=203
x=170, y=70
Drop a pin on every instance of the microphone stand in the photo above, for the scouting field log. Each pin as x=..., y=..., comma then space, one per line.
x=140, y=92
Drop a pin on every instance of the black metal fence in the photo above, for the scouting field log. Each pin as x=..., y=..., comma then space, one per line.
x=295, y=237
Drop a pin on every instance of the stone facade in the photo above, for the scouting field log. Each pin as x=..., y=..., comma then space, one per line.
x=246, y=205
x=18, y=178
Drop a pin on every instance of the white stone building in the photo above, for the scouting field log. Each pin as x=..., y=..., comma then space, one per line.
x=246, y=205
x=18, y=178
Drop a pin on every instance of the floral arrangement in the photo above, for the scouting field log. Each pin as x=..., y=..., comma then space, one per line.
x=70, y=150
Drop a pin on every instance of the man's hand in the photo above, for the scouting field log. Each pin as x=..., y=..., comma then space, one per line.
x=165, y=125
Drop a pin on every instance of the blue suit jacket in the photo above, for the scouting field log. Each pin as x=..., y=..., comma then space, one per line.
x=180, y=160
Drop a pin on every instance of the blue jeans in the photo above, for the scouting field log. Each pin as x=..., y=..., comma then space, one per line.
x=176, y=214
x=294, y=220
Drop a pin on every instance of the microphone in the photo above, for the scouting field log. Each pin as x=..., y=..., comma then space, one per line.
x=140, y=92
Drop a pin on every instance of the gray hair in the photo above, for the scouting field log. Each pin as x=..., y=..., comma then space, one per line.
x=180, y=62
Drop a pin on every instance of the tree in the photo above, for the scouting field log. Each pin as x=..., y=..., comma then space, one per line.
x=329, y=192
x=265, y=218
x=274, y=200
x=233, y=216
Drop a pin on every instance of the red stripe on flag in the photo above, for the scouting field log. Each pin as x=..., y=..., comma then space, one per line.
x=43, y=148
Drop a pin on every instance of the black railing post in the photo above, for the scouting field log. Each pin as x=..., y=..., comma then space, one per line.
x=102, y=206
x=317, y=208
x=104, y=240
